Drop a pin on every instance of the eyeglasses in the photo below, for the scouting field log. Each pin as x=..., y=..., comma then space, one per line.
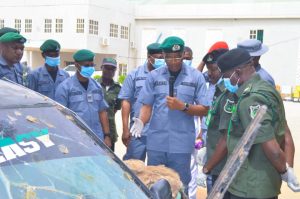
x=173, y=58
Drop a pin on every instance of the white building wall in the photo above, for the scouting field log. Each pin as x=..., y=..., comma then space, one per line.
x=281, y=35
x=119, y=12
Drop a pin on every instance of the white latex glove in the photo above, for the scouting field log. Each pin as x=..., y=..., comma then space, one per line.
x=201, y=178
x=137, y=127
x=291, y=179
x=201, y=156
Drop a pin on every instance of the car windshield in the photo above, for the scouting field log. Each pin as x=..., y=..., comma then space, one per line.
x=47, y=152
x=70, y=68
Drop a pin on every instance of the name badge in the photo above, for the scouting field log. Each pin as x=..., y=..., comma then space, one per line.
x=90, y=97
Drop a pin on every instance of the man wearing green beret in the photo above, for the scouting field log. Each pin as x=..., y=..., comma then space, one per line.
x=83, y=95
x=8, y=29
x=172, y=95
x=134, y=82
x=46, y=78
x=12, y=48
x=111, y=90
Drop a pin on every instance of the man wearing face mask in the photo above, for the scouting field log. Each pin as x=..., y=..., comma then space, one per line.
x=134, y=82
x=171, y=134
x=265, y=167
x=83, y=95
x=210, y=125
x=12, y=48
x=46, y=78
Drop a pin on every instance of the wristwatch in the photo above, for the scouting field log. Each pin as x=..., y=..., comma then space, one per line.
x=106, y=135
x=186, y=107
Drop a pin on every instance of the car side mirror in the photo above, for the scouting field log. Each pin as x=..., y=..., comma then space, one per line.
x=161, y=190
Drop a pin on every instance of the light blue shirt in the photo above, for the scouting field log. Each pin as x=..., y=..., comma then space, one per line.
x=85, y=103
x=172, y=131
x=41, y=81
x=209, y=97
x=265, y=75
x=14, y=73
x=130, y=91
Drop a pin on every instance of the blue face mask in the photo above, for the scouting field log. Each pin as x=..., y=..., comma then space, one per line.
x=87, y=71
x=52, y=61
x=231, y=88
x=219, y=81
x=187, y=62
x=158, y=63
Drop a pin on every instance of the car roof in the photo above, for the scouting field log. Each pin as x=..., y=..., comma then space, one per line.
x=15, y=95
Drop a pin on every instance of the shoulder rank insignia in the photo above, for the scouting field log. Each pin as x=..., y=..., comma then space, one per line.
x=253, y=110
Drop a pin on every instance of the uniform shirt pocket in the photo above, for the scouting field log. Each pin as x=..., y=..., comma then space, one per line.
x=186, y=94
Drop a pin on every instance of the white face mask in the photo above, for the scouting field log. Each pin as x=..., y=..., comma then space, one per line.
x=187, y=62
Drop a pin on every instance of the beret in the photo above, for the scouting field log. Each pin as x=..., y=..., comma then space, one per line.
x=218, y=45
x=233, y=58
x=50, y=45
x=12, y=37
x=154, y=48
x=83, y=55
x=172, y=44
x=8, y=29
x=212, y=57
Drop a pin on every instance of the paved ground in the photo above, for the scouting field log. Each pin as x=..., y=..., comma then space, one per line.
x=293, y=118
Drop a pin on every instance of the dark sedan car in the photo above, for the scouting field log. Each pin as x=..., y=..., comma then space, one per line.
x=48, y=152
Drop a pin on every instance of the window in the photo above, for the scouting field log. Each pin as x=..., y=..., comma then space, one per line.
x=1, y=23
x=123, y=69
x=28, y=25
x=113, y=31
x=80, y=26
x=48, y=26
x=18, y=25
x=257, y=34
x=59, y=25
x=93, y=27
x=124, y=32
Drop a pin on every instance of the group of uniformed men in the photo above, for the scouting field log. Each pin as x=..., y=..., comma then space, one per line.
x=162, y=102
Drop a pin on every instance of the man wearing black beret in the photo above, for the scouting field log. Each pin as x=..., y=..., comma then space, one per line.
x=265, y=167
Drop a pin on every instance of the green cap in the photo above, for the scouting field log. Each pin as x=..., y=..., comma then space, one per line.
x=12, y=36
x=154, y=48
x=172, y=44
x=7, y=29
x=50, y=45
x=83, y=55
x=109, y=62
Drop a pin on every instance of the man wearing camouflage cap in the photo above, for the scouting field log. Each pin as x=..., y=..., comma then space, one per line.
x=12, y=48
x=46, y=78
x=111, y=90
x=83, y=95
x=171, y=134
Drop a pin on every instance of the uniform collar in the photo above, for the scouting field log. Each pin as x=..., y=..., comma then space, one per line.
x=2, y=61
x=113, y=84
x=76, y=81
x=247, y=86
x=45, y=71
x=145, y=66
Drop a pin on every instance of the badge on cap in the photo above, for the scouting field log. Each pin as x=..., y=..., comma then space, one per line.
x=253, y=110
x=175, y=47
x=209, y=58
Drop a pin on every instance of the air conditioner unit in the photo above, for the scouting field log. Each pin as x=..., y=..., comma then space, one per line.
x=105, y=41
x=132, y=44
